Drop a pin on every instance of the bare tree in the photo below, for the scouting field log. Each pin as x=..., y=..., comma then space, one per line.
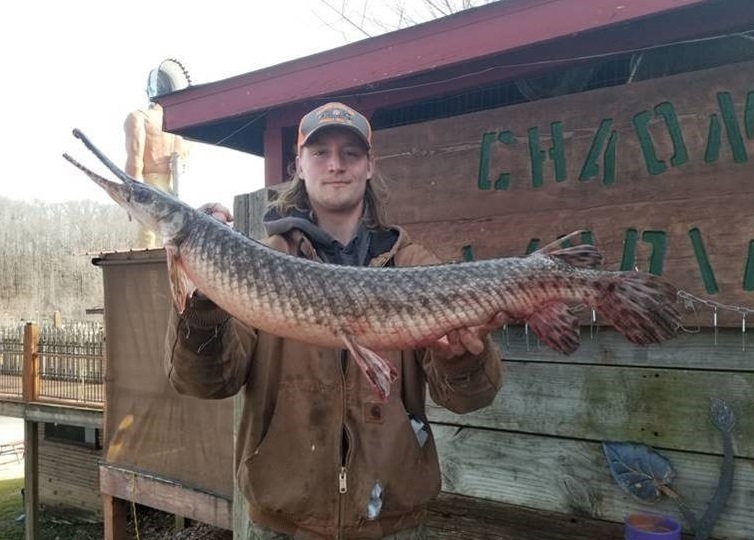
x=356, y=19
x=46, y=252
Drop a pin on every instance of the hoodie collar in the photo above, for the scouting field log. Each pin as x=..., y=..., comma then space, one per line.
x=368, y=243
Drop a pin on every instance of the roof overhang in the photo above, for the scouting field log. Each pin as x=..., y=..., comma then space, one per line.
x=497, y=42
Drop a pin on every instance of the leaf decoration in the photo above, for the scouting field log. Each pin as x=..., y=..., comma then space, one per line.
x=638, y=469
x=721, y=415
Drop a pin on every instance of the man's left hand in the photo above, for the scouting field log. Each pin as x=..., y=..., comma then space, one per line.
x=466, y=340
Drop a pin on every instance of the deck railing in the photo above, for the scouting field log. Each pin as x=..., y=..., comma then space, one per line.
x=53, y=364
x=11, y=360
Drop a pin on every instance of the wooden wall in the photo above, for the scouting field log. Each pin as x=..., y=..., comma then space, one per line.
x=661, y=175
x=539, y=445
x=69, y=477
x=658, y=172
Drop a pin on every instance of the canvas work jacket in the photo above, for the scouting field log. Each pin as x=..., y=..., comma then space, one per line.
x=318, y=454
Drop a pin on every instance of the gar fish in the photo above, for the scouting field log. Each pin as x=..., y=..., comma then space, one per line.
x=370, y=309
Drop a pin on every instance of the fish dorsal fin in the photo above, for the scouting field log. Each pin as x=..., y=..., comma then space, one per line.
x=583, y=256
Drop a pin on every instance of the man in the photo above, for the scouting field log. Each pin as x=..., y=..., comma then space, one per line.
x=152, y=155
x=318, y=454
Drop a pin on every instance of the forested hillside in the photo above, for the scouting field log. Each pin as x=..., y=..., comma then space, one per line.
x=46, y=251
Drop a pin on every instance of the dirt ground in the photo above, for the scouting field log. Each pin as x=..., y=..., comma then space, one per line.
x=155, y=525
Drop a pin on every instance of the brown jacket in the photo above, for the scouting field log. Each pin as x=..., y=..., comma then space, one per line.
x=305, y=405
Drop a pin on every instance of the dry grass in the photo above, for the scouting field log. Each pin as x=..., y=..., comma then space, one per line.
x=151, y=524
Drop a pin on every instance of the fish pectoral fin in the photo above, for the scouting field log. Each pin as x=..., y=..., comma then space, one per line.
x=181, y=286
x=556, y=327
x=380, y=373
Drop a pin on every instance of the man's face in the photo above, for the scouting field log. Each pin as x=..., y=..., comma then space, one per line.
x=335, y=167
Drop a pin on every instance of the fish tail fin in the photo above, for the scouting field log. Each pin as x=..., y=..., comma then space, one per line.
x=640, y=306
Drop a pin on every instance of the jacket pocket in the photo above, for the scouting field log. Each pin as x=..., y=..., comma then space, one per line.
x=409, y=470
x=293, y=470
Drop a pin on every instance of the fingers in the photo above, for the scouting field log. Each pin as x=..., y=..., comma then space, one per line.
x=455, y=345
x=447, y=346
x=217, y=211
x=497, y=321
x=471, y=341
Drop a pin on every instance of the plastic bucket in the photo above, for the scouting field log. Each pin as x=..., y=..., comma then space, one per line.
x=652, y=527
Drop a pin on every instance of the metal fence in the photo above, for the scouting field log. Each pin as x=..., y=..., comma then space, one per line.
x=70, y=362
x=11, y=360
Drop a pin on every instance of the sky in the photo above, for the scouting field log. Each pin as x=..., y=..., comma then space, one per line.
x=84, y=64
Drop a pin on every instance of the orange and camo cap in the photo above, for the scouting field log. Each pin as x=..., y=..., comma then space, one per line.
x=330, y=115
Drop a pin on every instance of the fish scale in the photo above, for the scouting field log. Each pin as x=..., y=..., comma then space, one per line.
x=369, y=309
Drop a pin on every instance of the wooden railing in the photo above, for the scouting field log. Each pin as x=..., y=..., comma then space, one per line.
x=53, y=364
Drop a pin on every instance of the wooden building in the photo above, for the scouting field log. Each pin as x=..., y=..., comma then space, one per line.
x=501, y=129
x=69, y=459
x=56, y=390
x=65, y=460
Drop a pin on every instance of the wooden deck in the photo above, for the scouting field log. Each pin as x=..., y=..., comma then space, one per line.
x=453, y=516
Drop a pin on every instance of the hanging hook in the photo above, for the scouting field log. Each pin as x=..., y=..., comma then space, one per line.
x=743, y=332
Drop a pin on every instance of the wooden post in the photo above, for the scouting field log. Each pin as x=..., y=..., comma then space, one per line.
x=248, y=211
x=115, y=514
x=30, y=382
x=30, y=375
x=31, y=479
x=240, y=505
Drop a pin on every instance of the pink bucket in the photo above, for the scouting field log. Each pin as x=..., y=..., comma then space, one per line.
x=652, y=527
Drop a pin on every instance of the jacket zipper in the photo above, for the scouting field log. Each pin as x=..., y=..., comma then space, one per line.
x=345, y=437
x=345, y=443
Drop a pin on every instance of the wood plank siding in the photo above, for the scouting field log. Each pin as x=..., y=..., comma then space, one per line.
x=69, y=475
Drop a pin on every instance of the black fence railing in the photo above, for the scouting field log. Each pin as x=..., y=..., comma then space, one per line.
x=11, y=360
x=69, y=362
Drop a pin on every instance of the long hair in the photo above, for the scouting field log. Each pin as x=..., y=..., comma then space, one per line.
x=294, y=197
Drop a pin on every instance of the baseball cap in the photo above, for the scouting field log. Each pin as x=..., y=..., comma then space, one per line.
x=334, y=114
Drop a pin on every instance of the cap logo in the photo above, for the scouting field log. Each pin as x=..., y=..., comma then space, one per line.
x=335, y=115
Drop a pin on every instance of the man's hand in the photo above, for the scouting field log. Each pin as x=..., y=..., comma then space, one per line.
x=466, y=340
x=217, y=211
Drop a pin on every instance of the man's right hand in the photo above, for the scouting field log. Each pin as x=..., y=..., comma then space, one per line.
x=217, y=211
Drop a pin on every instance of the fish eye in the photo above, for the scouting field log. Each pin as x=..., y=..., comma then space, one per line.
x=141, y=196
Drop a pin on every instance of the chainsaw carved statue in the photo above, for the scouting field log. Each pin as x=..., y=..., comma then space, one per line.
x=155, y=157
